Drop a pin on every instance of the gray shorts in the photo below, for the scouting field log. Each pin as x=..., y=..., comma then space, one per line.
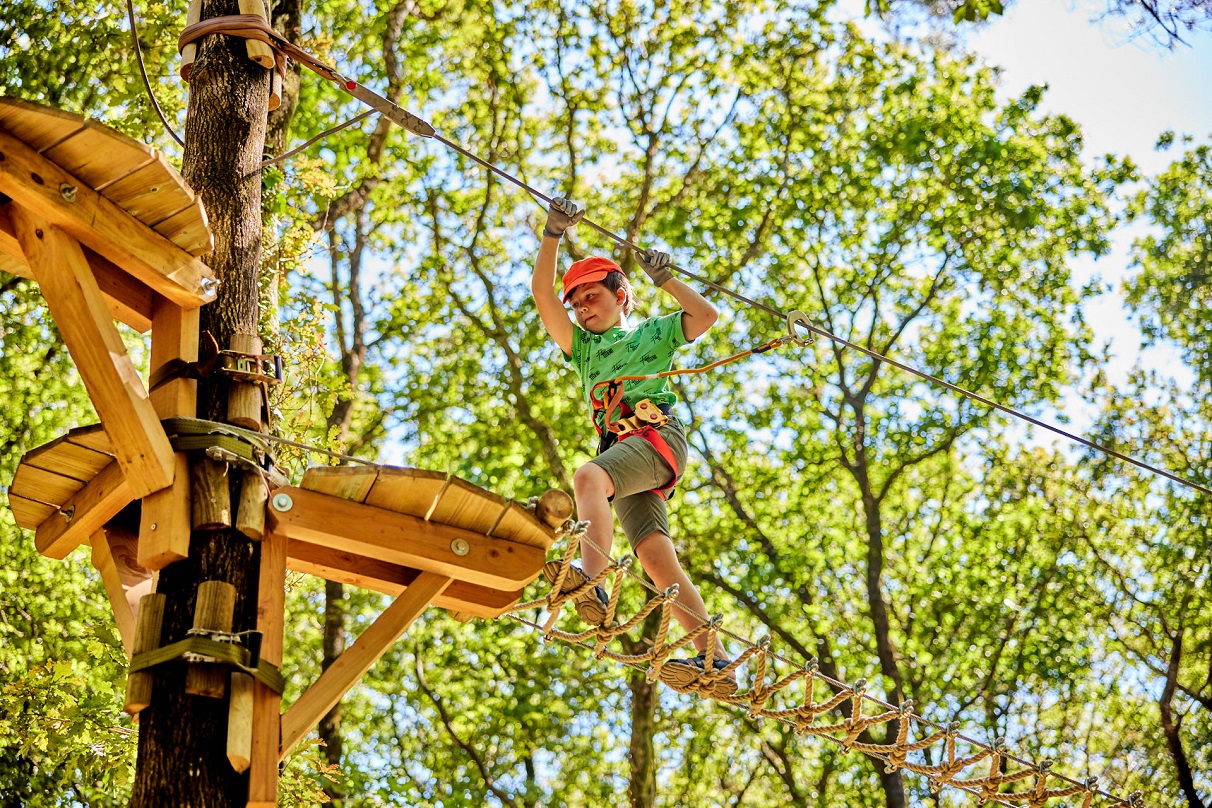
x=636, y=468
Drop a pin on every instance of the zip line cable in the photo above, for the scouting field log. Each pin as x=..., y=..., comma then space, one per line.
x=250, y=26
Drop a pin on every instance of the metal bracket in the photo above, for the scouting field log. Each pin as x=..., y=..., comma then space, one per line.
x=266, y=369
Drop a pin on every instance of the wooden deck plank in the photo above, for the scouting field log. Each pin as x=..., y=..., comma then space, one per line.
x=403, y=539
x=27, y=513
x=411, y=491
x=39, y=484
x=70, y=460
x=348, y=482
x=92, y=436
x=39, y=126
x=151, y=194
x=100, y=224
x=189, y=229
x=98, y=154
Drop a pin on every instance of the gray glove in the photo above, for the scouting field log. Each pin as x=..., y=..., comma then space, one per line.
x=561, y=215
x=655, y=263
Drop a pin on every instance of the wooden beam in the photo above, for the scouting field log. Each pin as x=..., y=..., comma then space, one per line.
x=125, y=582
x=113, y=384
x=345, y=672
x=164, y=520
x=174, y=336
x=267, y=705
x=128, y=300
x=43, y=188
x=399, y=538
x=90, y=508
x=392, y=579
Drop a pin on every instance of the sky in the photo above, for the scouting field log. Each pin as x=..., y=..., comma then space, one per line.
x=1123, y=92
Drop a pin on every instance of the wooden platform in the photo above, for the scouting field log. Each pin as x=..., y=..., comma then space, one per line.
x=376, y=527
x=119, y=186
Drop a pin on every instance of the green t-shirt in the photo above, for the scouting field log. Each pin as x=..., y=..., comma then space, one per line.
x=647, y=348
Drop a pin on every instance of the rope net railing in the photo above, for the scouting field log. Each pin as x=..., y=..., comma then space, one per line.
x=938, y=752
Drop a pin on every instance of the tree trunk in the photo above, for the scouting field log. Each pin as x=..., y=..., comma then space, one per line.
x=334, y=645
x=1171, y=727
x=641, y=756
x=182, y=739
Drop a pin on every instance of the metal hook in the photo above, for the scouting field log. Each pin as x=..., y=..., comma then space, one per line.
x=798, y=318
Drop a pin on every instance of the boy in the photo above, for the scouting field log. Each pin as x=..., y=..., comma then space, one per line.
x=634, y=472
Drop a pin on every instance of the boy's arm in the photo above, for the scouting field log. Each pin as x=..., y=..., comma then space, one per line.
x=542, y=288
x=698, y=315
x=561, y=215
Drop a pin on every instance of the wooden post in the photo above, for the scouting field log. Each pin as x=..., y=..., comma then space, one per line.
x=174, y=335
x=250, y=514
x=214, y=610
x=240, y=721
x=267, y=705
x=147, y=638
x=244, y=399
x=553, y=508
x=211, y=505
x=165, y=520
x=190, y=52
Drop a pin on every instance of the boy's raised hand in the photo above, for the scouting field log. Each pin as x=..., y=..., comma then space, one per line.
x=656, y=263
x=561, y=215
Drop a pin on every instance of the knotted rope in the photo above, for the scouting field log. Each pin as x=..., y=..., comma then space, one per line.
x=773, y=696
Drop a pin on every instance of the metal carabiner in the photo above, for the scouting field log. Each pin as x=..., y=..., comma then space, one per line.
x=798, y=318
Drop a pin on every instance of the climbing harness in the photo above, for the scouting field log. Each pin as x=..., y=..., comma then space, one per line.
x=939, y=753
x=647, y=418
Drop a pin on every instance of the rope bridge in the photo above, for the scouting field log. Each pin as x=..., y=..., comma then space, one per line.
x=979, y=769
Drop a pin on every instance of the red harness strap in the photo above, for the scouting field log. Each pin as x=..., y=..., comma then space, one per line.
x=614, y=399
x=651, y=435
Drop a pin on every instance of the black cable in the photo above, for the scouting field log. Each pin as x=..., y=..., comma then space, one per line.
x=134, y=36
x=878, y=357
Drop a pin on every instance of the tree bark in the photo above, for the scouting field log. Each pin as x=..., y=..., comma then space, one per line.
x=334, y=646
x=641, y=755
x=1171, y=727
x=182, y=739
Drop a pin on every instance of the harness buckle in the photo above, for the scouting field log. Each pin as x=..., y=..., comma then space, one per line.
x=644, y=415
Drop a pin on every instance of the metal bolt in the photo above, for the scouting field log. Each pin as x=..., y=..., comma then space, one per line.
x=153, y=525
x=460, y=547
x=68, y=192
x=283, y=502
x=208, y=287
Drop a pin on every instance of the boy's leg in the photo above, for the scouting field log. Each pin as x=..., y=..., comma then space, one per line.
x=660, y=560
x=594, y=488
